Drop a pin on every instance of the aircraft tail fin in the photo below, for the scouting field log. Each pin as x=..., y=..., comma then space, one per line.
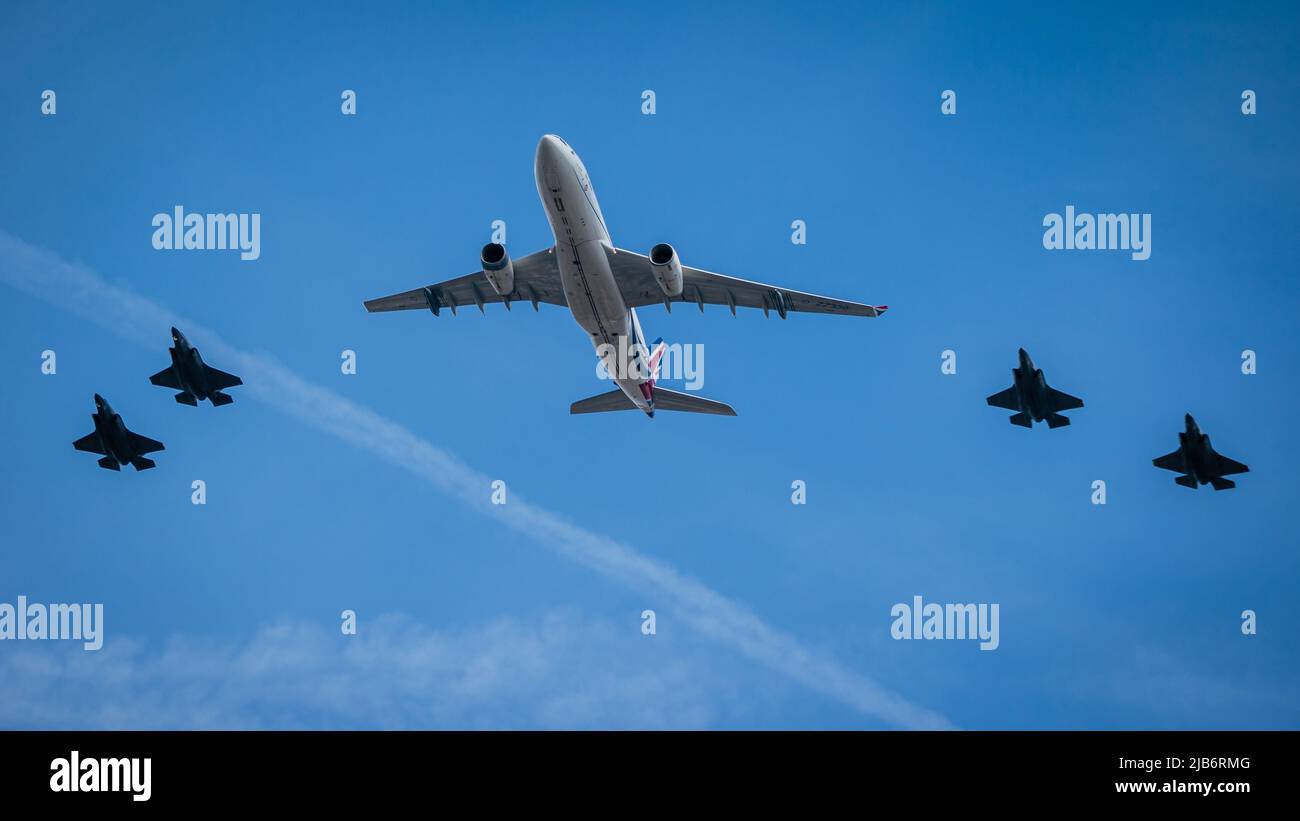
x=1223, y=484
x=656, y=357
x=218, y=399
x=187, y=398
x=109, y=463
x=1022, y=419
x=1186, y=481
x=1056, y=420
x=141, y=463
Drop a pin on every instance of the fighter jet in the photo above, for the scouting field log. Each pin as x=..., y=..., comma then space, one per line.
x=1032, y=398
x=603, y=286
x=1198, y=462
x=192, y=377
x=118, y=445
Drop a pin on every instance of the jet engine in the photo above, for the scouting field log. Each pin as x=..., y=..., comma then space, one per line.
x=667, y=268
x=498, y=268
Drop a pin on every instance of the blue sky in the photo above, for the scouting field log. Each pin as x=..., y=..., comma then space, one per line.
x=1118, y=616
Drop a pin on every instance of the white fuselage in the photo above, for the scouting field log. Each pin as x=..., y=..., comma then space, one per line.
x=582, y=243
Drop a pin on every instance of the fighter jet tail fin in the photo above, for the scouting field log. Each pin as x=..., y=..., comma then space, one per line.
x=187, y=398
x=141, y=463
x=218, y=399
x=109, y=463
x=1186, y=481
x=1223, y=484
x=1056, y=420
x=1022, y=419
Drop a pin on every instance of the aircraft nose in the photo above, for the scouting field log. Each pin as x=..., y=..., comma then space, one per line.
x=99, y=400
x=549, y=148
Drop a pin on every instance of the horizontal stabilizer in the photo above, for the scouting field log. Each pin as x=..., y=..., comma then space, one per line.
x=109, y=463
x=1022, y=419
x=1056, y=420
x=1223, y=484
x=187, y=398
x=665, y=399
x=1186, y=481
x=218, y=399
x=614, y=400
x=141, y=463
x=690, y=403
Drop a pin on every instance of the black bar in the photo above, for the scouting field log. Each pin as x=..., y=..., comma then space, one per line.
x=191, y=769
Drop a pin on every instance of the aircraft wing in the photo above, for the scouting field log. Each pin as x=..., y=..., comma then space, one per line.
x=1227, y=467
x=1005, y=399
x=220, y=380
x=636, y=280
x=1171, y=461
x=537, y=279
x=90, y=444
x=143, y=444
x=1062, y=401
x=166, y=378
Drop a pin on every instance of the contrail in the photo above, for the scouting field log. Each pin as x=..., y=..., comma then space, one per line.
x=78, y=289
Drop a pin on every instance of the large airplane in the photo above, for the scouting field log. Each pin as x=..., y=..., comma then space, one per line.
x=1031, y=397
x=195, y=379
x=603, y=286
x=1197, y=460
x=114, y=442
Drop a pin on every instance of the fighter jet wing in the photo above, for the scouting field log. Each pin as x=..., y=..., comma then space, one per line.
x=143, y=444
x=166, y=378
x=1227, y=467
x=1005, y=399
x=537, y=279
x=220, y=380
x=90, y=444
x=1062, y=401
x=1171, y=461
x=636, y=280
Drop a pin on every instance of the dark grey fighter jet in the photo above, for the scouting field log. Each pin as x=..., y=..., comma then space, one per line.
x=1032, y=398
x=194, y=379
x=1198, y=462
x=118, y=445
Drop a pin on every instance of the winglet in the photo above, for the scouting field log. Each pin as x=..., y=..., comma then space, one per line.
x=880, y=309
